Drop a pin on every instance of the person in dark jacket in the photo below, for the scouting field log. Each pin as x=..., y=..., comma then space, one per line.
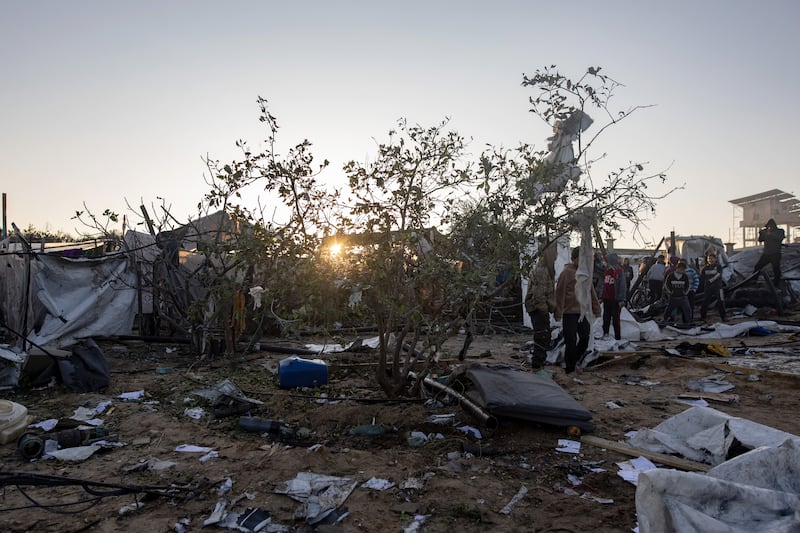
x=772, y=236
x=711, y=287
x=628, y=269
x=677, y=286
x=673, y=262
x=539, y=303
x=615, y=292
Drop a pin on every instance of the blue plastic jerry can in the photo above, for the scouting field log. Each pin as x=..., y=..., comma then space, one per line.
x=296, y=372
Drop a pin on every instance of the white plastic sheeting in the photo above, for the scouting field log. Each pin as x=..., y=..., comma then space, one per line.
x=756, y=491
x=706, y=435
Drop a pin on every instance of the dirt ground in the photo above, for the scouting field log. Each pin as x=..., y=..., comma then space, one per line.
x=456, y=490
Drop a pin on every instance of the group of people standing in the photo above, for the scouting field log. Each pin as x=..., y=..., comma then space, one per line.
x=565, y=304
x=678, y=284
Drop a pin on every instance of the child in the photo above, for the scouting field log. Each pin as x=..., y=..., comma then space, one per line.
x=694, y=284
x=677, y=286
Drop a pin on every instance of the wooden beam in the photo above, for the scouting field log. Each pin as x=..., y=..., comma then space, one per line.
x=627, y=449
x=713, y=396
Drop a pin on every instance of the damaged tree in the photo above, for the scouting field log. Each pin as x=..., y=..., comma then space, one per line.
x=203, y=274
x=418, y=285
x=414, y=281
x=544, y=190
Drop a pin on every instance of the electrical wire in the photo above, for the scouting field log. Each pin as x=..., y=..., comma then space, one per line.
x=92, y=488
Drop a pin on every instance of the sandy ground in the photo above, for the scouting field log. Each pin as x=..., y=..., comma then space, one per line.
x=455, y=490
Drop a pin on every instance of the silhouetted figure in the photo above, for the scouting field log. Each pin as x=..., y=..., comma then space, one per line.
x=772, y=236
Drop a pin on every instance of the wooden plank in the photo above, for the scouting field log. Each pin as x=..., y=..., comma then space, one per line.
x=619, y=357
x=714, y=396
x=627, y=449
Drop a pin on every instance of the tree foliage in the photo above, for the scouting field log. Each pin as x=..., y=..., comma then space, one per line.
x=426, y=232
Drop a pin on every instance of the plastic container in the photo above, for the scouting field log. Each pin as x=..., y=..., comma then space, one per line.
x=14, y=421
x=297, y=372
x=30, y=446
x=260, y=425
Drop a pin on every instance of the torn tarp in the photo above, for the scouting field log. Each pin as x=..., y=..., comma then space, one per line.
x=756, y=491
x=85, y=369
x=227, y=399
x=81, y=298
x=320, y=494
x=708, y=436
x=11, y=362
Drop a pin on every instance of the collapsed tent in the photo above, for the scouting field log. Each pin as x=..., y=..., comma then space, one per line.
x=507, y=391
x=757, y=490
x=709, y=436
x=70, y=299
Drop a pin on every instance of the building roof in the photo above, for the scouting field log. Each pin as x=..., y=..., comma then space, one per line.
x=774, y=194
x=781, y=206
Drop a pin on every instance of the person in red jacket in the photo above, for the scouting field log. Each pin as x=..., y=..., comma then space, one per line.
x=576, y=328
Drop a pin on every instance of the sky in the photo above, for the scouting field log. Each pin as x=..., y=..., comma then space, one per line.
x=106, y=105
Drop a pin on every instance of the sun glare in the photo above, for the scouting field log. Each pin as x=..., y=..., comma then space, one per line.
x=335, y=249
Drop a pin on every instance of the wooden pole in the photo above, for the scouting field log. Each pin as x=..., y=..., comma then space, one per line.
x=639, y=279
x=627, y=449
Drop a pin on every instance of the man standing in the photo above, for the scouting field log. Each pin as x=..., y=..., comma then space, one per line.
x=711, y=287
x=615, y=293
x=576, y=328
x=628, y=269
x=539, y=303
x=772, y=236
x=655, y=278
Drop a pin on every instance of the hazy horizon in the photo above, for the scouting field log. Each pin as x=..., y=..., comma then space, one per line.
x=107, y=102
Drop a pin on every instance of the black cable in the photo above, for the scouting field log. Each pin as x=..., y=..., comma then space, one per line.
x=20, y=479
x=51, y=507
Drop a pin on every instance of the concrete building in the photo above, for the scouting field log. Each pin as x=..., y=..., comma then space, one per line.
x=758, y=208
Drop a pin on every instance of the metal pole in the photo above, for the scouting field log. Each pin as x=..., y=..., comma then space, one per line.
x=5, y=228
x=488, y=420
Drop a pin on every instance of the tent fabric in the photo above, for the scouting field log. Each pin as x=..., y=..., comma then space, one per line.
x=708, y=436
x=87, y=370
x=756, y=491
x=12, y=291
x=82, y=298
x=510, y=392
